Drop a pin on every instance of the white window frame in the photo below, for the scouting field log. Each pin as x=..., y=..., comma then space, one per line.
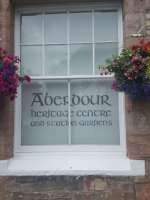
x=101, y=156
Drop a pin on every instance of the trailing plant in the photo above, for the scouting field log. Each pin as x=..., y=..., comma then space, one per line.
x=10, y=79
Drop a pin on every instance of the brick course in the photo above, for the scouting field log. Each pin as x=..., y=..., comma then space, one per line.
x=135, y=14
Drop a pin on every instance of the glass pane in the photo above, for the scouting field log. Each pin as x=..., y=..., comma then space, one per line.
x=81, y=59
x=80, y=27
x=31, y=29
x=56, y=60
x=44, y=113
x=106, y=26
x=104, y=52
x=94, y=113
x=56, y=28
x=31, y=60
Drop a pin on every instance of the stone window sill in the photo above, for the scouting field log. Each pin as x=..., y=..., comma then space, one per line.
x=75, y=166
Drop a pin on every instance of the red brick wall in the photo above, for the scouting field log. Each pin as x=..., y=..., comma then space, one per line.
x=6, y=107
x=138, y=115
x=135, y=15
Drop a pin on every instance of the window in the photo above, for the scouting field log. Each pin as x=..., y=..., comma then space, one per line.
x=68, y=120
x=68, y=106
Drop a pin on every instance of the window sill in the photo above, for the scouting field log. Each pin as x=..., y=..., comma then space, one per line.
x=75, y=166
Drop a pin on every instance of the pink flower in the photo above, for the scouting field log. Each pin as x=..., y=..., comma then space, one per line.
x=7, y=61
x=27, y=78
x=115, y=85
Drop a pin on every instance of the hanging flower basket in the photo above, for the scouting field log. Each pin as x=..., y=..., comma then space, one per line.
x=131, y=71
x=10, y=79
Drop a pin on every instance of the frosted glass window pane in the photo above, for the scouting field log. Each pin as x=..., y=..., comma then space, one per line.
x=31, y=60
x=104, y=52
x=106, y=26
x=80, y=27
x=81, y=59
x=56, y=60
x=94, y=113
x=44, y=113
x=56, y=28
x=31, y=29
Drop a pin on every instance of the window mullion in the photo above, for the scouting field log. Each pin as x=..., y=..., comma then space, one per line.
x=68, y=73
x=69, y=114
x=43, y=44
x=93, y=42
x=68, y=44
x=120, y=33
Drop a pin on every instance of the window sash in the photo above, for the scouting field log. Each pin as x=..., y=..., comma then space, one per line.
x=69, y=44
